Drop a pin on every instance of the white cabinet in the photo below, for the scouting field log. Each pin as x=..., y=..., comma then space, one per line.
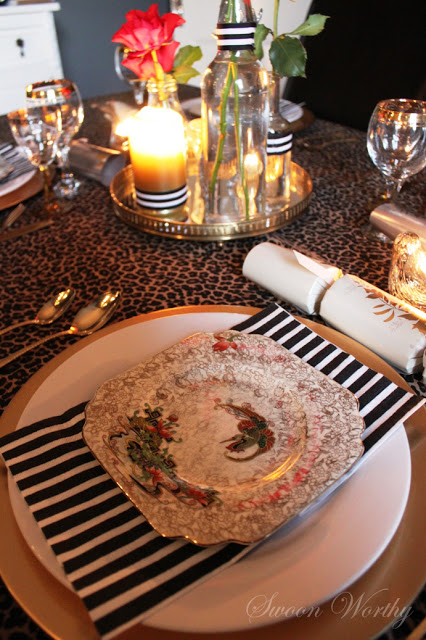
x=29, y=50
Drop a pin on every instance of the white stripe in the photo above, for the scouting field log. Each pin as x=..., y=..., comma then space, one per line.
x=253, y=327
x=166, y=204
x=77, y=509
x=53, y=500
x=290, y=334
x=161, y=196
x=102, y=537
x=234, y=31
x=125, y=571
x=41, y=432
x=58, y=479
x=314, y=351
x=276, y=150
x=301, y=344
x=320, y=366
x=340, y=367
x=374, y=402
x=368, y=385
x=281, y=140
x=235, y=43
x=44, y=467
x=357, y=374
x=277, y=327
x=377, y=423
x=118, y=601
x=75, y=531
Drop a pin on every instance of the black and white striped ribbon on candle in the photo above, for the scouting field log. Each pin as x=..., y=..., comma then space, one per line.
x=279, y=142
x=164, y=200
x=234, y=36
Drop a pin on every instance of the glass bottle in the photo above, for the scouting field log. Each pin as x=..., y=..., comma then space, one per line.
x=235, y=116
x=278, y=165
x=164, y=94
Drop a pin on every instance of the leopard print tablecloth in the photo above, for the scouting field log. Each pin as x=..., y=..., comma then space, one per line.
x=90, y=249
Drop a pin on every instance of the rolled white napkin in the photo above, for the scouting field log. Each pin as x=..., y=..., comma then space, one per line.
x=389, y=327
x=392, y=221
x=290, y=275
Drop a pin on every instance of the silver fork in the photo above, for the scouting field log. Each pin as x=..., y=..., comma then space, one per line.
x=12, y=217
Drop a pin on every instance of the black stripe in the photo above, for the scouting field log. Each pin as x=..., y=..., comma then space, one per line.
x=236, y=25
x=298, y=337
x=85, y=515
x=47, y=456
x=56, y=470
x=372, y=393
x=140, y=576
x=262, y=315
x=108, y=546
x=123, y=562
x=148, y=600
x=348, y=371
x=109, y=524
x=76, y=500
x=69, y=483
x=309, y=346
x=385, y=405
x=334, y=363
x=380, y=431
x=46, y=422
x=280, y=334
x=321, y=355
x=364, y=379
x=45, y=439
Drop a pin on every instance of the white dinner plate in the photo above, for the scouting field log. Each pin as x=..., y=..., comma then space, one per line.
x=289, y=110
x=312, y=559
x=16, y=183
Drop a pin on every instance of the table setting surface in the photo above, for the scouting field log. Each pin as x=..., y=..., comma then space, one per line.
x=178, y=287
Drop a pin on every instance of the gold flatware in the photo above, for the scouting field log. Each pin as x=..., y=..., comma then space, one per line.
x=28, y=228
x=12, y=217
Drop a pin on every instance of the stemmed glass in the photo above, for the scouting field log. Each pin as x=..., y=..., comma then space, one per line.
x=128, y=76
x=64, y=95
x=396, y=141
x=37, y=131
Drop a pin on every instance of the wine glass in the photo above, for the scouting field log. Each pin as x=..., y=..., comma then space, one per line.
x=64, y=95
x=128, y=76
x=37, y=130
x=396, y=141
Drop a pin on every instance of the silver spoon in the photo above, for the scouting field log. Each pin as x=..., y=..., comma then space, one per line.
x=49, y=312
x=86, y=321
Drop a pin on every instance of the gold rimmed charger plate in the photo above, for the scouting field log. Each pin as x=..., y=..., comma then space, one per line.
x=398, y=573
x=29, y=189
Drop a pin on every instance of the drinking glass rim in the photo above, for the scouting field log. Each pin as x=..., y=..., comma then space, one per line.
x=402, y=111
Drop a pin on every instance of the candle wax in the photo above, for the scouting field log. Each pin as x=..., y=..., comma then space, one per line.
x=157, y=150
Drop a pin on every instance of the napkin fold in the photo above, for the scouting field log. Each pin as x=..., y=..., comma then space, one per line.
x=389, y=219
x=386, y=325
x=290, y=275
x=121, y=568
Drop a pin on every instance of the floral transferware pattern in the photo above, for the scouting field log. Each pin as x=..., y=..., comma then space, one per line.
x=171, y=430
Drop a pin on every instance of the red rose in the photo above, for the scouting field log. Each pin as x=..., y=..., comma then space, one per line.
x=144, y=33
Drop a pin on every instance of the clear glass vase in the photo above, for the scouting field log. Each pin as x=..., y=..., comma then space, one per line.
x=278, y=165
x=235, y=118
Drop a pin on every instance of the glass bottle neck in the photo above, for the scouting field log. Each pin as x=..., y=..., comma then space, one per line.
x=235, y=11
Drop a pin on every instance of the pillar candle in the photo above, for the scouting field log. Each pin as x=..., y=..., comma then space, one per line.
x=157, y=154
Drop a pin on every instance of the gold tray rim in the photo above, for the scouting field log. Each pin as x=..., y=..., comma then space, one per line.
x=208, y=232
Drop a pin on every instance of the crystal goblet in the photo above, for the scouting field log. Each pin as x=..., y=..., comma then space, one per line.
x=37, y=131
x=64, y=95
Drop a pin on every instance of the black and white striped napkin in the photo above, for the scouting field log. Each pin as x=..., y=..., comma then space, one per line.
x=17, y=159
x=120, y=567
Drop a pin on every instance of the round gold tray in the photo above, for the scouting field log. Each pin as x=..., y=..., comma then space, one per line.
x=123, y=195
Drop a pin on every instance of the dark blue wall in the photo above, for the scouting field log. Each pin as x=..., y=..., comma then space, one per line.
x=85, y=29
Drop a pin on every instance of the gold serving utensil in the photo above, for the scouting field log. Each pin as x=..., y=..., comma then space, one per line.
x=88, y=320
x=27, y=228
x=12, y=217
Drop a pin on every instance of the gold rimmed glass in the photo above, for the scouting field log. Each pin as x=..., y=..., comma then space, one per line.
x=64, y=95
x=396, y=141
x=37, y=131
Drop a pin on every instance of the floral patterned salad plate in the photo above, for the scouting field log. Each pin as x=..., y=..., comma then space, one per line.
x=223, y=437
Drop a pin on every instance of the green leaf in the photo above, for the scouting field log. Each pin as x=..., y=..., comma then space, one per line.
x=313, y=25
x=184, y=73
x=288, y=57
x=260, y=35
x=186, y=56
